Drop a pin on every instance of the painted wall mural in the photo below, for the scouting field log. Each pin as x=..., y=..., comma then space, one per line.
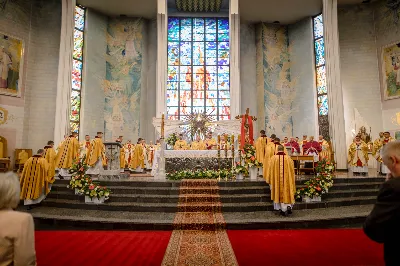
x=277, y=85
x=122, y=86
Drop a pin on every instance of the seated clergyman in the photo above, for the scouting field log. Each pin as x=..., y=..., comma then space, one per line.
x=181, y=144
x=198, y=144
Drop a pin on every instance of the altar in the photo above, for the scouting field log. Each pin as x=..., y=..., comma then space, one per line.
x=178, y=160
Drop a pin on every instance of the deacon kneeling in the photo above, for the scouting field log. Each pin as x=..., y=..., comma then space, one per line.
x=282, y=182
x=35, y=180
x=96, y=158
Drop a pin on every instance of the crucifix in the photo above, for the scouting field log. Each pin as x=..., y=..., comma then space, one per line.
x=246, y=128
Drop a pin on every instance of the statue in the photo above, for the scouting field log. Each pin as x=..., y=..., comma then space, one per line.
x=366, y=137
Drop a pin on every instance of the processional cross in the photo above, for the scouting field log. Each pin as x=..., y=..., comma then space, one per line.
x=246, y=128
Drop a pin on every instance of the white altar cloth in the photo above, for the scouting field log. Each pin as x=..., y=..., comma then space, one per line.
x=188, y=154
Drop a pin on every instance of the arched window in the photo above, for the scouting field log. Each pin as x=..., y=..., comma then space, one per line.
x=198, y=67
x=77, y=64
x=322, y=92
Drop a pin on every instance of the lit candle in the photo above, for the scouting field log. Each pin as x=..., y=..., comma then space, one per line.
x=226, y=141
x=219, y=141
x=162, y=126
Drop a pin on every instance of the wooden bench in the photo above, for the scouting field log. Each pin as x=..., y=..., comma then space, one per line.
x=303, y=158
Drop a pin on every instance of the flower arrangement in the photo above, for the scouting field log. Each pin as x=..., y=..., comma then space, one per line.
x=95, y=190
x=241, y=169
x=172, y=139
x=199, y=174
x=249, y=155
x=320, y=184
x=79, y=182
x=79, y=166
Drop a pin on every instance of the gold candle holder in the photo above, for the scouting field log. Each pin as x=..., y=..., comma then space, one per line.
x=162, y=125
x=226, y=145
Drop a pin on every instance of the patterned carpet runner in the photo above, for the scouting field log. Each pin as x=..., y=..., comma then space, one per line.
x=199, y=237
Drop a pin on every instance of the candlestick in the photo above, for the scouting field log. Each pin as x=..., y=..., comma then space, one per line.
x=162, y=125
x=219, y=142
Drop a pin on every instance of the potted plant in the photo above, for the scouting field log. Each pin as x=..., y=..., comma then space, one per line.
x=241, y=171
x=78, y=182
x=96, y=194
x=171, y=141
x=250, y=160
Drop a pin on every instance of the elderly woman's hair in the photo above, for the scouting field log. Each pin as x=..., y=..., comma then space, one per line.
x=9, y=190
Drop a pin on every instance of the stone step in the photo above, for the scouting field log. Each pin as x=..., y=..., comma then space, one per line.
x=350, y=193
x=199, y=221
x=80, y=219
x=199, y=207
x=198, y=198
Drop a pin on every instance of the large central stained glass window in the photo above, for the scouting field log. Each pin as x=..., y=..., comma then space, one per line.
x=198, y=67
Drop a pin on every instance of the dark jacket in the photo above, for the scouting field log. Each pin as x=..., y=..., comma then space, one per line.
x=383, y=223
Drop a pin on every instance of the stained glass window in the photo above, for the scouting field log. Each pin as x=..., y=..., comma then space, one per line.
x=77, y=64
x=198, y=67
x=322, y=92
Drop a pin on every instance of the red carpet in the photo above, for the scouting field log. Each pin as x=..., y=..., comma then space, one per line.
x=344, y=247
x=97, y=248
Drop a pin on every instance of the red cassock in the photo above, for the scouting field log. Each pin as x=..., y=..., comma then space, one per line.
x=312, y=146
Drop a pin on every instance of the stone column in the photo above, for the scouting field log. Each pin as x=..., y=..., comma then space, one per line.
x=234, y=42
x=64, y=82
x=333, y=82
x=162, y=56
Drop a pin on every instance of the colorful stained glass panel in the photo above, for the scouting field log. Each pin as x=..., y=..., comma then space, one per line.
x=75, y=105
x=323, y=105
x=172, y=98
x=76, y=75
x=224, y=94
x=321, y=80
x=172, y=110
x=318, y=27
x=319, y=52
x=173, y=29
x=186, y=53
x=74, y=126
x=78, y=44
x=223, y=26
x=173, y=53
x=185, y=98
x=79, y=18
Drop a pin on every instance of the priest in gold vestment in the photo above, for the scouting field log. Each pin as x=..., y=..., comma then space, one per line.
x=50, y=156
x=358, y=156
x=85, y=145
x=326, y=151
x=35, y=180
x=211, y=143
x=96, y=157
x=378, y=145
x=137, y=162
x=181, y=144
x=282, y=184
x=260, y=146
x=198, y=144
x=268, y=153
x=66, y=154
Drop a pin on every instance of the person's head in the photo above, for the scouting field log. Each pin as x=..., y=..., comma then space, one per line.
x=297, y=138
x=143, y=141
x=74, y=134
x=321, y=137
x=157, y=141
x=273, y=136
x=50, y=143
x=139, y=140
x=209, y=135
x=281, y=148
x=262, y=132
x=40, y=152
x=386, y=135
x=292, y=139
x=9, y=191
x=181, y=136
x=100, y=134
x=87, y=137
x=311, y=138
x=285, y=139
x=120, y=138
x=391, y=157
x=357, y=138
x=277, y=140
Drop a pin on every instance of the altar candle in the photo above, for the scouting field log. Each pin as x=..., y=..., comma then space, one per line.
x=226, y=141
x=162, y=126
x=233, y=141
x=219, y=141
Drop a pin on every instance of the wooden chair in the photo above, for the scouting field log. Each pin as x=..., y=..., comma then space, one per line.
x=301, y=166
x=5, y=161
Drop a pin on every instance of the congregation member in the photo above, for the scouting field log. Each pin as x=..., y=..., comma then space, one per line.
x=282, y=181
x=181, y=144
x=325, y=149
x=198, y=144
x=211, y=143
x=358, y=156
x=67, y=154
x=17, y=230
x=260, y=145
x=96, y=157
x=382, y=224
x=35, y=181
x=137, y=162
x=50, y=156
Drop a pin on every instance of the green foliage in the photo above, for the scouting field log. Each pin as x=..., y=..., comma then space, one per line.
x=200, y=174
x=172, y=139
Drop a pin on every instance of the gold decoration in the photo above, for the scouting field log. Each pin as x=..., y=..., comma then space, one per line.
x=3, y=115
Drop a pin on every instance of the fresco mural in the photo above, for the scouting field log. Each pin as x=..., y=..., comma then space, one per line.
x=122, y=86
x=278, y=87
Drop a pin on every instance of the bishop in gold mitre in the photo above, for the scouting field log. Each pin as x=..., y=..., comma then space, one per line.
x=260, y=145
x=358, y=156
x=282, y=184
x=211, y=143
x=67, y=153
x=137, y=162
x=50, y=156
x=96, y=157
x=198, y=144
x=35, y=180
x=181, y=144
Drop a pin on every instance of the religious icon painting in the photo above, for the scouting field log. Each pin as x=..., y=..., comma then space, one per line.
x=390, y=61
x=11, y=65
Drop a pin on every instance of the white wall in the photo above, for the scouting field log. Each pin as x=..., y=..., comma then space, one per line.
x=31, y=117
x=248, y=62
x=302, y=73
x=94, y=73
x=359, y=68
